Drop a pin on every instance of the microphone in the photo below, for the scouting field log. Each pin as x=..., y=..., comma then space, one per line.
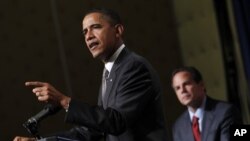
x=32, y=123
x=48, y=109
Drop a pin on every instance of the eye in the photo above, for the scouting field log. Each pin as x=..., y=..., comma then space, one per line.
x=176, y=88
x=84, y=32
x=97, y=26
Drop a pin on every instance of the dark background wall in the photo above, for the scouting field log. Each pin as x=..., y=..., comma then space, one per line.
x=42, y=40
x=34, y=45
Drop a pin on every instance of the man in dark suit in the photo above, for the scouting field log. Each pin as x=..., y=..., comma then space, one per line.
x=129, y=105
x=206, y=119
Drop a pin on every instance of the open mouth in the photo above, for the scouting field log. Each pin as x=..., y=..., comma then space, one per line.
x=93, y=45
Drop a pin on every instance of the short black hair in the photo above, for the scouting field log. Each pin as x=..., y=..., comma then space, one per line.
x=113, y=16
x=195, y=73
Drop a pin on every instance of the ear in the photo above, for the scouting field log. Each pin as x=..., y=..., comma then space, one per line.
x=119, y=30
x=202, y=84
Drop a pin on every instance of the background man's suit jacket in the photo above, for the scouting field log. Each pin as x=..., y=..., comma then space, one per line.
x=131, y=109
x=218, y=116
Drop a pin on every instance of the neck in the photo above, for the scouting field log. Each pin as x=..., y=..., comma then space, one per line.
x=113, y=50
x=196, y=104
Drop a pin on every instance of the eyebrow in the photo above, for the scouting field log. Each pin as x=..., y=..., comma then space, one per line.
x=92, y=25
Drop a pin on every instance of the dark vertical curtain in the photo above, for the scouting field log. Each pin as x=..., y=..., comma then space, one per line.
x=242, y=17
x=227, y=45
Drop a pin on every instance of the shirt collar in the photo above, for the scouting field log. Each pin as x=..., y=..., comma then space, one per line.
x=199, y=112
x=109, y=64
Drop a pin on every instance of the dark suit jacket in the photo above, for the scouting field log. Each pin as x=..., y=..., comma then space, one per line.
x=132, y=109
x=218, y=116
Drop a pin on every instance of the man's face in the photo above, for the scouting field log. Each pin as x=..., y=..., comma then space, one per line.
x=100, y=35
x=187, y=90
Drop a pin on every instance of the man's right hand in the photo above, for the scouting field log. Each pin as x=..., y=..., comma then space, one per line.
x=45, y=92
x=18, y=138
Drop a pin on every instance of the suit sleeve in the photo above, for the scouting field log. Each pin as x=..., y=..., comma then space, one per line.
x=232, y=116
x=80, y=133
x=95, y=118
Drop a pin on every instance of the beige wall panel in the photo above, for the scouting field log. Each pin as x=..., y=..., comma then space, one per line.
x=199, y=43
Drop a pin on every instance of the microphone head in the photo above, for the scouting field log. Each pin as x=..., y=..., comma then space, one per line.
x=32, y=124
x=52, y=108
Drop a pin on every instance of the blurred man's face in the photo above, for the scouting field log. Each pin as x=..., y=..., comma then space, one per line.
x=187, y=90
x=100, y=35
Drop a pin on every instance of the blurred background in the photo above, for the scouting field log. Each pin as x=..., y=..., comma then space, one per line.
x=42, y=40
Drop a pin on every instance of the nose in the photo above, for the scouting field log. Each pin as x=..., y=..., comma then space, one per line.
x=183, y=89
x=88, y=36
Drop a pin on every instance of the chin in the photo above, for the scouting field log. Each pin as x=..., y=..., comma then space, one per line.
x=185, y=103
x=95, y=55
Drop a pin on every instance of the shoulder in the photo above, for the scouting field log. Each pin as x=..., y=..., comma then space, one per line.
x=218, y=105
x=131, y=60
x=135, y=58
x=181, y=120
x=222, y=109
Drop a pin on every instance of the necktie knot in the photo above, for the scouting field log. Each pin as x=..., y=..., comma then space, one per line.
x=106, y=73
x=195, y=120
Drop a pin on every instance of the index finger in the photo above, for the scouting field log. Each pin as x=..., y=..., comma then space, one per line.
x=34, y=83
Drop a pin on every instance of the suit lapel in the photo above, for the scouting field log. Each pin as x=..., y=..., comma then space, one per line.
x=113, y=76
x=100, y=96
x=208, y=118
x=187, y=131
x=109, y=85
